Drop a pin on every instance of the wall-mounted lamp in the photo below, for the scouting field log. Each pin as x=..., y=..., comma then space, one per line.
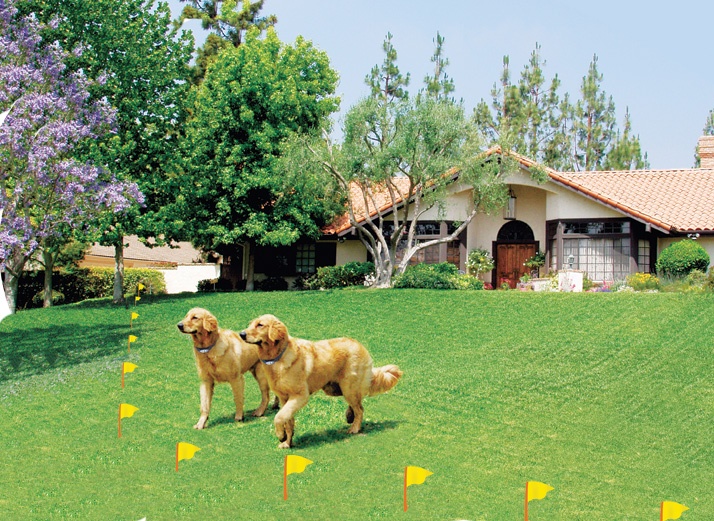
x=509, y=212
x=571, y=260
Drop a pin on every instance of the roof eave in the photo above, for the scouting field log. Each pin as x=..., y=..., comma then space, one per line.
x=646, y=219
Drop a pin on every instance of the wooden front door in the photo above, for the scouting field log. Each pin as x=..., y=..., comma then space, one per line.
x=509, y=262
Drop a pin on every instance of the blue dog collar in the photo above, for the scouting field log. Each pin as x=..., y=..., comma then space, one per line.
x=204, y=350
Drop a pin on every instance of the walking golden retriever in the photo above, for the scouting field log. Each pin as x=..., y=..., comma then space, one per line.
x=221, y=356
x=297, y=368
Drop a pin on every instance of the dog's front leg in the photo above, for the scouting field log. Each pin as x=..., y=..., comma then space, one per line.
x=238, y=386
x=206, y=398
x=284, y=420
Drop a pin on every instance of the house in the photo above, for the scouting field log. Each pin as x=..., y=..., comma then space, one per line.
x=182, y=266
x=608, y=224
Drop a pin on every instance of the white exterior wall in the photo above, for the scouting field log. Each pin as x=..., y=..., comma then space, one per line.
x=350, y=251
x=186, y=277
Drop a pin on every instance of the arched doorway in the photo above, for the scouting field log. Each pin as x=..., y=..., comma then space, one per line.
x=514, y=245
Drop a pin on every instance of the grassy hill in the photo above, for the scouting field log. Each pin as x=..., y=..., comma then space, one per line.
x=609, y=398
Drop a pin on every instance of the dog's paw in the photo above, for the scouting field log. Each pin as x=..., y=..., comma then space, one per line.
x=284, y=445
x=238, y=418
x=199, y=426
x=354, y=429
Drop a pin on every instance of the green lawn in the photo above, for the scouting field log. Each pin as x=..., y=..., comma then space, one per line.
x=609, y=398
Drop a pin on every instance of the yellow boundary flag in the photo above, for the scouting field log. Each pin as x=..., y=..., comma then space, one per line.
x=295, y=464
x=134, y=315
x=141, y=286
x=126, y=410
x=671, y=510
x=184, y=451
x=128, y=367
x=416, y=475
x=537, y=490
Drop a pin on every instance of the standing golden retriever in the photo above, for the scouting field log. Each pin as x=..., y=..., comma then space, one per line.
x=221, y=356
x=297, y=368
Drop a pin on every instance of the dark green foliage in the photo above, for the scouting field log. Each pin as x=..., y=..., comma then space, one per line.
x=85, y=283
x=679, y=258
x=331, y=277
x=272, y=284
x=436, y=276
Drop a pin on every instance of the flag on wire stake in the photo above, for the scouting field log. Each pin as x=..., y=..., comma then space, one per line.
x=414, y=476
x=126, y=367
x=184, y=451
x=125, y=411
x=535, y=490
x=132, y=339
x=134, y=316
x=293, y=465
x=671, y=510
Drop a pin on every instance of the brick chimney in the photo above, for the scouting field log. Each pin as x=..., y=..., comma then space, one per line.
x=706, y=151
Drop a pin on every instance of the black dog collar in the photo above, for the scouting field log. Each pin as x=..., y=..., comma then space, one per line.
x=204, y=350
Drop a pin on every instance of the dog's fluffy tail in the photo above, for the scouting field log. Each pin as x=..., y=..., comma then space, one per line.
x=384, y=378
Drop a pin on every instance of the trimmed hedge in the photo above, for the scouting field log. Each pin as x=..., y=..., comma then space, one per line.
x=680, y=258
x=79, y=284
x=436, y=276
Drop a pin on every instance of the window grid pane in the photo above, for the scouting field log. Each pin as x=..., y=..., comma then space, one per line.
x=305, y=258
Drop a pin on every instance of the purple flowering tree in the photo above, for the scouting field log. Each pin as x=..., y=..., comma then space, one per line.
x=45, y=193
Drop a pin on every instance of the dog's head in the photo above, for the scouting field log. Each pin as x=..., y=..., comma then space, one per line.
x=198, y=321
x=268, y=333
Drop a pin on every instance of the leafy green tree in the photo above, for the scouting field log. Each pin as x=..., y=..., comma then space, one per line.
x=229, y=20
x=439, y=85
x=253, y=97
x=144, y=60
x=399, y=148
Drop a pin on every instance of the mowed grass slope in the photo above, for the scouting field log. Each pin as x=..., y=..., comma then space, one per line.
x=609, y=398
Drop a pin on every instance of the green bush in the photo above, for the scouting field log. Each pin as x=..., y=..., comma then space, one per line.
x=680, y=258
x=331, y=277
x=643, y=282
x=436, y=276
x=479, y=261
x=80, y=284
x=272, y=284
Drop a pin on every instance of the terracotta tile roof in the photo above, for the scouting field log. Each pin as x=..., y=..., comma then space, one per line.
x=671, y=200
x=381, y=197
x=184, y=254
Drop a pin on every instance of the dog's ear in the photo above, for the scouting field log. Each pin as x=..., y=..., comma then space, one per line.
x=277, y=331
x=210, y=323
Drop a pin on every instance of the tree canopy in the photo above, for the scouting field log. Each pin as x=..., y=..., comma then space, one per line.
x=253, y=97
x=401, y=149
x=544, y=125
x=46, y=191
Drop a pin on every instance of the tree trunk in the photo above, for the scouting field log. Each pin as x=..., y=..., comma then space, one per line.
x=13, y=269
x=49, y=262
x=119, y=271
x=250, y=276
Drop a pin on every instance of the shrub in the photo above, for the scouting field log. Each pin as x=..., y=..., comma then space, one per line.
x=80, y=284
x=331, y=277
x=479, y=261
x=207, y=285
x=436, y=276
x=643, y=282
x=272, y=284
x=680, y=258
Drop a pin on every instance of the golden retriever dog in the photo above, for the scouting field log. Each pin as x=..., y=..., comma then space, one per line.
x=297, y=368
x=221, y=356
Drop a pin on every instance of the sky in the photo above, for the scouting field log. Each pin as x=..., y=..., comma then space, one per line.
x=655, y=61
